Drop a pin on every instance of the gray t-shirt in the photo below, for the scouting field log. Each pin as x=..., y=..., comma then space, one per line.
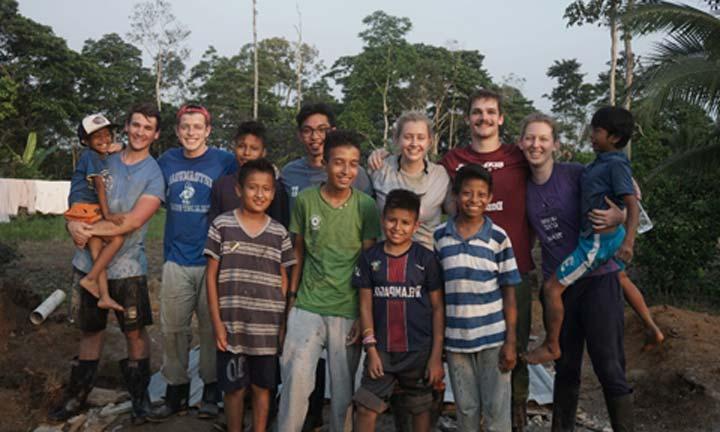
x=125, y=184
x=299, y=175
x=431, y=184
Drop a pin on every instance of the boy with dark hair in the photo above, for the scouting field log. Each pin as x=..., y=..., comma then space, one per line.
x=249, y=140
x=609, y=175
x=88, y=203
x=480, y=272
x=248, y=257
x=401, y=314
x=332, y=224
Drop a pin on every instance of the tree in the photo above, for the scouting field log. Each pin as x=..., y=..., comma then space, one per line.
x=256, y=68
x=155, y=27
x=570, y=98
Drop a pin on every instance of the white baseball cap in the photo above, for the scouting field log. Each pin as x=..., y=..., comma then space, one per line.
x=93, y=123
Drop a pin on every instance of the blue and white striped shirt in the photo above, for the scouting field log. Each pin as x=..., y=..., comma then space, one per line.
x=474, y=270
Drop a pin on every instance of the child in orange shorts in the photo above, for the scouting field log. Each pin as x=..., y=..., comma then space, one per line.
x=88, y=203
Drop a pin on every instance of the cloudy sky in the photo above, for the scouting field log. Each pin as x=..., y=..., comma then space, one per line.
x=519, y=38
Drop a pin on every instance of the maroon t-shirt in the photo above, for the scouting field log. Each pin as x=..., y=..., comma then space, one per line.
x=510, y=173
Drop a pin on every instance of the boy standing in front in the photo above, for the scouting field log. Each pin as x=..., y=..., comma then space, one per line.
x=480, y=272
x=402, y=317
x=332, y=224
x=248, y=256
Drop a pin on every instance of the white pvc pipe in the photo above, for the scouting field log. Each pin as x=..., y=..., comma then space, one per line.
x=47, y=307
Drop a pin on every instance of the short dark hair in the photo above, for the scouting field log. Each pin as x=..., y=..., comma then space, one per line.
x=471, y=172
x=483, y=93
x=340, y=138
x=258, y=165
x=148, y=109
x=616, y=121
x=315, y=108
x=402, y=199
x=251, y=127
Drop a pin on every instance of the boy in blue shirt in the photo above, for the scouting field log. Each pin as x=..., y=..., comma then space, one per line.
x=609, y=175
x=400, y=294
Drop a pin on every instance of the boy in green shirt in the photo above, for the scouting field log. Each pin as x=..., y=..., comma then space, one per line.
x=332, y=224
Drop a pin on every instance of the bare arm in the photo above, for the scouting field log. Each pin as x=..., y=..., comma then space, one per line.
x=211, y=278
x=99, y=184
x=367, y=244
x=435, y=371
x=633, y=216
x=297, y=271
x=376, y=160
x=144, y=208
x=507, y=352
x=374, y=365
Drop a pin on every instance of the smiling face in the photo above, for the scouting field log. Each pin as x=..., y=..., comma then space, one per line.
x=100, y=140
x=484, y=118
x=399, y=225
x=141, y=131
x=257, y=191
x=538, y=144
x=312, y=134
x=602, y=141
x=193, y=132
x=249, y=147
x=342, y=166
x=473, y=198
x=414, y=141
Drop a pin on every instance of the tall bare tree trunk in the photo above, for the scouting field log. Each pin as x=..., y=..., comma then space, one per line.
x=613, y=48
x=629, y=70
x=158, y=80
x=386, y=110
x=299, y=59
x=255, y=61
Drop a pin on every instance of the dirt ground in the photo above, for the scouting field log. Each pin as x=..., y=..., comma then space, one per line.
x=677, y=387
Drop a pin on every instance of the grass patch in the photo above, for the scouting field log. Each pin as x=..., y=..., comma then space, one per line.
x=40, y=227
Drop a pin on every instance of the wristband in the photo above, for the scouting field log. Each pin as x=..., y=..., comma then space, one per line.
x=292, y=294
x=367, y=346
x=367, y=331
x=369, y=339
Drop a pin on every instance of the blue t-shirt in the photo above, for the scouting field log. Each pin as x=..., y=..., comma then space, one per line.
x=553, y=210
x=402, y=313
x=608, y=175
x=124, y=185
x=82, y=189
x=299, y=175
x=189, y=183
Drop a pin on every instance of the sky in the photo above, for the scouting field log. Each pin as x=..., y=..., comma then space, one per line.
x=519, y=38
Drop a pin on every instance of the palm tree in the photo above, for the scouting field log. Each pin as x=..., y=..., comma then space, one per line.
x=685, y=66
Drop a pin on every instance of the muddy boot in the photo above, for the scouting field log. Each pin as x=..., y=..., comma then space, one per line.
x=209, y=407
x=137, y=377
x=82, y=378
x=519, y=416
x=620, y=410
x=176, y=402
x=565, y=402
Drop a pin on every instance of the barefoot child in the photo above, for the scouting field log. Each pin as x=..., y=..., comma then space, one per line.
x=480, y=275
x=248, y=256
x=88, y=203
x=608, y=176
x=402, y=317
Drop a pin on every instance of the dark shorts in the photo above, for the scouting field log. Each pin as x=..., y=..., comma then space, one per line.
x=238, y=371
x=131, y=293
x=407, y=370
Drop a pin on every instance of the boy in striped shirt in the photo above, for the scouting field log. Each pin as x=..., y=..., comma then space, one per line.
x=479, y=271
x=248, y=256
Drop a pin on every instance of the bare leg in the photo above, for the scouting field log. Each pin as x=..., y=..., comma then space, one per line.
x=235, y=410
x=653, y=335
x=366, y=419
x=260, y=408
x=421, y=422
x=138, y=344
x=91, y=345
x=554, y=312
x=96, y=280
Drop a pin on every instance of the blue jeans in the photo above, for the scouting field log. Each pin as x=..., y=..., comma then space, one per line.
x=479, y=389
x=307, y=335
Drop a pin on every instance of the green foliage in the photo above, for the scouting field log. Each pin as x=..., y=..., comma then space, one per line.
x=28, y=164
x=570, y=98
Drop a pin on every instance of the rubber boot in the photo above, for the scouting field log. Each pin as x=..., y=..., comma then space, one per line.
x=82, y=378
x=518, y=414
x=209, y=407
x=176, y=402
x=565, y=402
x=137, y=377
x=620, y=410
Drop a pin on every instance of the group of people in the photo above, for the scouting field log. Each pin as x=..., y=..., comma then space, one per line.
x=288, y=270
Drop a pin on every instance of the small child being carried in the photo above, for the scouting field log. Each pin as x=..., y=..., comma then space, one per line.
x=88, y=203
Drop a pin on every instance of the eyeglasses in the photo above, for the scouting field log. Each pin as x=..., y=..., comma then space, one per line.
x=307, y=131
